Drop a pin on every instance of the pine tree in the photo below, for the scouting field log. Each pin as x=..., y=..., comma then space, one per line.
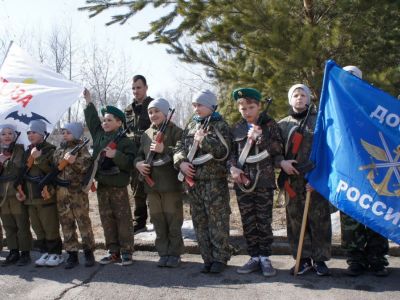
x=273, y=44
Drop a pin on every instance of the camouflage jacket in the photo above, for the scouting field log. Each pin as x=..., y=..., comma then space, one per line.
x=165, y=176
x=286, y=124
x=214, y=168
x=11, y=169
x=137, y=113
x=270, y=140
x=41, y=166
x=75, y=172
x=125, y=150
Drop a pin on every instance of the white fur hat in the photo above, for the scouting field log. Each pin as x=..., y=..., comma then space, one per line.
x=299, y=86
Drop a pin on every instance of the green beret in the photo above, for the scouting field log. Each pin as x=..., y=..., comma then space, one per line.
x=109, y=109
x=246, y=93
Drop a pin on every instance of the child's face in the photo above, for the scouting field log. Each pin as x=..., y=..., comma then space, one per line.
x=201, y=110
x=34, y=137
x=299, y=100
x=67, y=136
x=110, y=123
x=6, y=136
x=249, y=111
x=156, y=116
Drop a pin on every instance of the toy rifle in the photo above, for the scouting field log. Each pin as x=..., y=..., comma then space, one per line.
x=28, y=165
x=244, y=155
x=296, y=137
x=159, y=139
x=102, y=160
x=8, y=152
x=50, y=177
x=193, y=149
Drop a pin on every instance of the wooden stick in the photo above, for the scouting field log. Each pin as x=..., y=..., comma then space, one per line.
x=302, y=232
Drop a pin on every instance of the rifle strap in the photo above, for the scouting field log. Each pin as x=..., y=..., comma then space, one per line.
x=253, y=186
x=223, y=141
x=289, y=139
x=5, y=193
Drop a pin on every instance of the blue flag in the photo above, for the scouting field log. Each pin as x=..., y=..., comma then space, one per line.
x=356, y=151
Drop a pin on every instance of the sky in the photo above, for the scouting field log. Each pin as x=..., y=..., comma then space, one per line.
x=164, y=72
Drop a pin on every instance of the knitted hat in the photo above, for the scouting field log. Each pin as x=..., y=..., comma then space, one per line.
x=37, y=126
x=109, y=109
x=246, y=93
x=353, y=70
x=299, y=86
x=206, y=98
x=9, y=126
x=161, y=104
x=75, y=128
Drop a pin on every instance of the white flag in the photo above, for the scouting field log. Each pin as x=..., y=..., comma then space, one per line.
x=31, y=91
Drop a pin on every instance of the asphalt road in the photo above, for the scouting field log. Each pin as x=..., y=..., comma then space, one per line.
x=144, y=280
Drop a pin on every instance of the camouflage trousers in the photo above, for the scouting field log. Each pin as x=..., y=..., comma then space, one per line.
x=318, y=234
x=116, y=218
x=166, y=211
x=139, y=197
x=15, y=217
x=209, y=204
x=256, y=213
x=73, y=208
x=363, y=245
x=45, y=224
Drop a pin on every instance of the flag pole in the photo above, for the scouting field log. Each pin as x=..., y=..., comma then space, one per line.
x=302, y=232
x=5, y=56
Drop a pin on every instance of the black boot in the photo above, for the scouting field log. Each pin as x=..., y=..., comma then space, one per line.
x=24, y=259
x=11, y=258
x=89, y=257
x=72, y=260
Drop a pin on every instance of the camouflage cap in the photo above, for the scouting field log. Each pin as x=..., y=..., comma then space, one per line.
x=246, y=93
x=109, y=109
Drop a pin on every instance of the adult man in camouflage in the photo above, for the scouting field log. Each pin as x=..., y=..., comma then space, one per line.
x=137, y=112
x=209, y=197
x=364, y=247
x=317, y=239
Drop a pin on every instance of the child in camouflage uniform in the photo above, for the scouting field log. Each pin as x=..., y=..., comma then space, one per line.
x=165, y=197
x=72, y=202
x=209, y=197
x=365, y=248
x=113, y=177
x=14, y=213
x=255, y=199
x=42, y=213
x=317, y=239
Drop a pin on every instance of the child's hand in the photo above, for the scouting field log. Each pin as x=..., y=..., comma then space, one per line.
x=236, y=174
x=110, y=153
x=187, y=169
x=87, y=96
x=287, y=166
x=254, y=132
x=199, y=135
x=3, y=157
x=157, y=147
x=309, y=188
x=36, y=153
x=143, y=168
x=70, y=158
